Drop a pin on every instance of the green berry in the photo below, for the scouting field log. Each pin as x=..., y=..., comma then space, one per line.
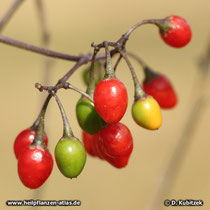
x=88, y=119
x=70, y=157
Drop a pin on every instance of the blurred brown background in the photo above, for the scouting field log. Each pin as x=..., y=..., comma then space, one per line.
x=74, y=25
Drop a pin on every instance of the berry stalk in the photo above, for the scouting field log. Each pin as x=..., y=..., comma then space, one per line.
x=139, y=93
x=67, y=131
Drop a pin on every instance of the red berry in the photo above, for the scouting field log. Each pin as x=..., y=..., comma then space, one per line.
x=178, y=33
x=119, y=162
x=117, y=140
x=88, y=143
x=91, y=144
x=111, y=100
x=34, y=166
x=162, y=91
x=24, y=139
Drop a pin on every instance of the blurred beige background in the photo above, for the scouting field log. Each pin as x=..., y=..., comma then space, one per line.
x=74, y=25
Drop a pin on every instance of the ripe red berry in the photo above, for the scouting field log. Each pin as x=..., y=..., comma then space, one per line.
x=34, y=166
x=91, y=144
x=110, y=100
x=117, y=140
x=162, y=91
x=24, y=139
x=119, y=162
x=178, y=33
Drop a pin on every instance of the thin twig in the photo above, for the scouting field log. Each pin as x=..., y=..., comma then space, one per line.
x=139, y=93
x=11, y=11
x=117, y=62
x=36, y=49
x=64, y=85
x=117, y=45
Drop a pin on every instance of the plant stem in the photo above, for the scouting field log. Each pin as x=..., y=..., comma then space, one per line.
x=91, y=84
x=39, y=50
x=117, y=62
x=72, y=70
x=139, y=93
x=109, y=70
x=13, y=8
x=67, y=132
x=86, y=95
x=42, y=113
x=49, y=96
x=39, y=124
x=88, y=57
x=125, y=36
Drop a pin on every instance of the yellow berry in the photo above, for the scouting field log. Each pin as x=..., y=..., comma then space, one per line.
x=146, y=113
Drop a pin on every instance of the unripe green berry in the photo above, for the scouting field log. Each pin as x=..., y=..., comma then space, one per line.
x=70, y=157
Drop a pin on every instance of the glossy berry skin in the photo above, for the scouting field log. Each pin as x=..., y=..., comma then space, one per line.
x=91, y=144
x=111, y=100
x=162, y=91
x=178, y=34
x=24, y=139
x=87, y=116
x=119, y=162
x=70, y=157
x=117, y=140
x=34, y=166
x=88, y=141
x=146, y=113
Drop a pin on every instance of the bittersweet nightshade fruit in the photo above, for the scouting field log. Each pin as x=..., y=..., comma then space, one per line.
x=117, y=140
x=119, y=162
x=111, y=100
x=158, y=86
x=24, y=139
x=87, y=116
x=70, y=157
x=34, y=166
x=146, y=113
x=177, y=33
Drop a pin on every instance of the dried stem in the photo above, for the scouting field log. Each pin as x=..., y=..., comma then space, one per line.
x=11, y=11
x=65, y=85
x=39, y=50
x=117, y=45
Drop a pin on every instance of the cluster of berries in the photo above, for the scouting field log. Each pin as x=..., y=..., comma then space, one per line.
x=103, y=134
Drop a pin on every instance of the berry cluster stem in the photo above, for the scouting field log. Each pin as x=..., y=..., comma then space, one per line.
x=139, y=93
x=109, y=73
x=91, y=85
x=67, y=131
x=39, y=124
